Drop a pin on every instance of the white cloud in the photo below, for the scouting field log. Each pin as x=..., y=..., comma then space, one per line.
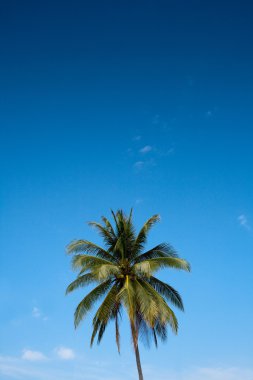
x=243, y=221
x=141, y=165
x=136, y=138
x=138, y=165
x=85, y=368
x=65, y=353
x=145, y=149
x=36, y=312
x=33, y=355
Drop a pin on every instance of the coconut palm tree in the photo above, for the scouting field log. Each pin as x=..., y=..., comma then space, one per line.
x=124, y=276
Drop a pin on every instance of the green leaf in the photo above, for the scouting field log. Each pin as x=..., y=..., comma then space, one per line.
x=89, y=262
x=81, y=281
x=104, y=313
x=168, y=262
x=107, y=234
x=165, y=314
x=161, y=250
x=87, y=303
x=86, y=246
x=165, y=290
x=142, y=236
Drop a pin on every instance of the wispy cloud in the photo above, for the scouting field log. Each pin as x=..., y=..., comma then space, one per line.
x=138, y=165
x=243, y=221
x=85, y=369
x=141, y=165
x=36, y=312
x=145, y=149
x=137, y=138
x=138, y=201
x=33, y=355
x=65, y=353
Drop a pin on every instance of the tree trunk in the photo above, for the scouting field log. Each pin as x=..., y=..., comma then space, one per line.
x=138, y=362
x=136, y=350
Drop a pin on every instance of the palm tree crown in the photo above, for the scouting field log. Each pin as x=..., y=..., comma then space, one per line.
x=124, y=276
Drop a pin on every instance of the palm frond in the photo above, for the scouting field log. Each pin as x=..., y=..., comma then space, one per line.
x=127, y=297
x=144, y=331
x=81, y=281
x=104, y=314
x=142, y=236
x=105, y=271
x=165, y=314
x=116, y=223
x=87, y=302
x=142, y=269
x=167, y=291
x=106, y=233
x=86, y=246
x=86, y=262
x=108, y=226
x=161, y=250
x=147, y=302
x=160, y=330
x=167, y=262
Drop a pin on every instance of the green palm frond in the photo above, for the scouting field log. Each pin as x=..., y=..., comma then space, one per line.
x=86, y=262
x=86, y=246
x=115, y=218
x=145, y=333
x=108, y=226
x=104, y=314
x=166, y=291
x=103, y=272
x=147, y=302
x=142, y=269
x=107, y=235
x=88, y=302
x=81, y=281
x=127, y=297
x=161, y=250
x=119, y=248
x=142, y=236
x=161, y=331
x=165, y=314
x=166, y=262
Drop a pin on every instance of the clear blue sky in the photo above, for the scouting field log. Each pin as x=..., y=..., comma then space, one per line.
x=114, y=104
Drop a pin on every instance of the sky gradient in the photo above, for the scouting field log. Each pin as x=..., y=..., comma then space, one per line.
x=121, y=104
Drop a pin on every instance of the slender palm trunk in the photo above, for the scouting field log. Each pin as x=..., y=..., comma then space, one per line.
x=136, y=350
x=138, y=362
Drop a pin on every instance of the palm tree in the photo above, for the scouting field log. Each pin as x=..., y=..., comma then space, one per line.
x=124, y=278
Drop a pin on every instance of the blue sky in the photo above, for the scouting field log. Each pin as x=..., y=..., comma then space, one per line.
x=118, y=105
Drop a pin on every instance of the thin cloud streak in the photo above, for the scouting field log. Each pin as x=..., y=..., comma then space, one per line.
x=36, y=312
x=243, y=221
x=14, y=368
x=145, y=149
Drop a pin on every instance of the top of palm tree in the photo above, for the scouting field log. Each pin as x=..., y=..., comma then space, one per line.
x=124, y=276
